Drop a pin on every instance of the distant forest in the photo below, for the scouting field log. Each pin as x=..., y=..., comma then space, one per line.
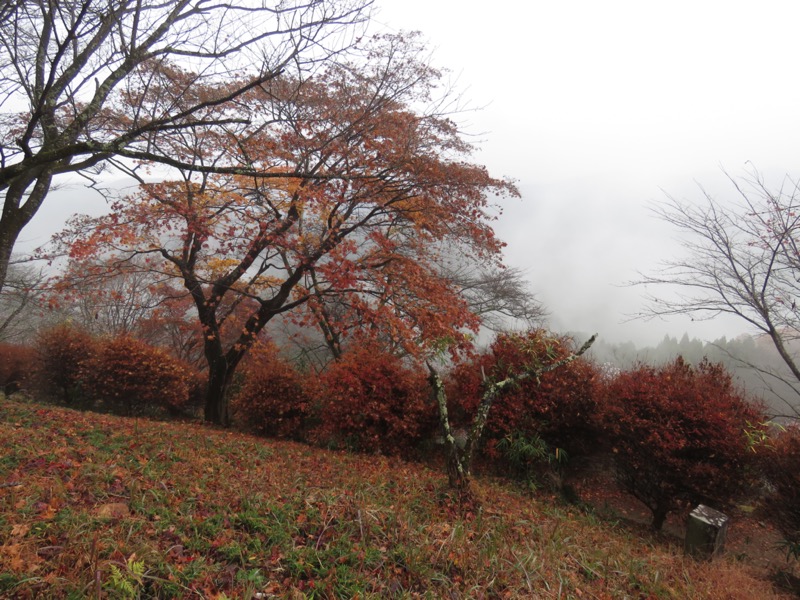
x=753, y=360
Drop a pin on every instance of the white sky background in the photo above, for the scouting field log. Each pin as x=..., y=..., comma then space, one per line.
x=595, y=108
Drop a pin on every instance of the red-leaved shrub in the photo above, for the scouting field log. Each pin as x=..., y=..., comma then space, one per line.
x=272, y=399
x=62, y=351
x=677, y=434
x=781, y=464
x=371, y=401
x=128, y=374
x=557, y=407
x=17, y=365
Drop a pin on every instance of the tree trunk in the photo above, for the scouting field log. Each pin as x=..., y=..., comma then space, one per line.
x=10, y=228
x=18, y=210
x=219, y=379
x=659, y=515
x=458, y=474
x=459, y=462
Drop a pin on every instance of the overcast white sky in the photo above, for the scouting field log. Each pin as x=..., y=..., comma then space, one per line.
x=595, y=108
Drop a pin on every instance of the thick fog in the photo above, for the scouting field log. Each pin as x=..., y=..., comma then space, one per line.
x=597, y=109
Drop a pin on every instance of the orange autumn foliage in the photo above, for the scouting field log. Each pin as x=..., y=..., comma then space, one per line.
x=62, y=351
x=17, y=366
x=361, y=196
x=273, y=399
x=127, y=374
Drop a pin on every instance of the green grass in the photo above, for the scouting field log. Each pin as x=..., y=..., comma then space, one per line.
x=95, y=506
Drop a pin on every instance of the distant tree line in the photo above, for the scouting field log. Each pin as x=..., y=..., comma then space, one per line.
x=751, y=360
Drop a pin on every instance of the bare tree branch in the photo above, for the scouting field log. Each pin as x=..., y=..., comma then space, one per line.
x=83, y=82
x=740, y=258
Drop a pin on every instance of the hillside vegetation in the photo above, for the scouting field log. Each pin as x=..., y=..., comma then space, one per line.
x=108, y=507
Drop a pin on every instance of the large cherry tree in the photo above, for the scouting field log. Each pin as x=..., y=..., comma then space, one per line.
x=391, y=184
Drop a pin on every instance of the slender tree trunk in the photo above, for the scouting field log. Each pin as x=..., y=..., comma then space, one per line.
x=458, y=474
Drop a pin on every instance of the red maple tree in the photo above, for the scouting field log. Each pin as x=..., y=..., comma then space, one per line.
x=390, y=185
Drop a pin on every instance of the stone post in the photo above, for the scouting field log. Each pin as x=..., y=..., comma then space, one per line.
x=706, y=531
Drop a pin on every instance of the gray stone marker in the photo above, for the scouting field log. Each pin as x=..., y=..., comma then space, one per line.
x=706, y=531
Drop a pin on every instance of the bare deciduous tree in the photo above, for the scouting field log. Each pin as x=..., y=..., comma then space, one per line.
x=498, y=295
x=89, y=84
x=741, y=258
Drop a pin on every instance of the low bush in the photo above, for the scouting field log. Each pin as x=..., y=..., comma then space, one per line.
x=678, y=434
x=531, y=460
x=129, y=375
x=272, y=399
x=781, y=464
x=17, y=366
x=371, y=401
x=62, y=350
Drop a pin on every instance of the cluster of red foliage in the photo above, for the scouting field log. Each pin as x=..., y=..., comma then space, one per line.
x=62, y=351
x=121, y=372
x=677, y=434
x=781, y=464
x=371, y=401
x=16, y=367
x=273, y=398
x=558, y=406
x=127, y=373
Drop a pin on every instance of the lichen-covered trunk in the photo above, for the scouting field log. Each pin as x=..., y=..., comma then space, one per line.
x=459, y=461
x=458, y=464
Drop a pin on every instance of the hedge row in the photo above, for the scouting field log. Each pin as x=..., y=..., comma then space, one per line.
x=678, y=434
x=120, y=374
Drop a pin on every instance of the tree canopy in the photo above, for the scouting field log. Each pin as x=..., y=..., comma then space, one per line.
x=87, y=85
x=392, y=185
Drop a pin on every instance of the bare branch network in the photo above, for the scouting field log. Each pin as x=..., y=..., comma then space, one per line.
x=741, y=258
x=87, y=82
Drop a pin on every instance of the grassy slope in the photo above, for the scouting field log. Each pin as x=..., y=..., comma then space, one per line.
x=100, y=506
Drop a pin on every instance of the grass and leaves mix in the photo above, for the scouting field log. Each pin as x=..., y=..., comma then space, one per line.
x=96, y=506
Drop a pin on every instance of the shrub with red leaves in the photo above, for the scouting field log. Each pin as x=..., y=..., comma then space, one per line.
x=128, y=374
x=272, y=399
x=558, y=407
x=62, y=351
x=780, y=462
x=371, y=401
x=17, y=365
x=677, y=433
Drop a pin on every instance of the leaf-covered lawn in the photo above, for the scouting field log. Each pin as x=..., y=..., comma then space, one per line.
x=105, y=507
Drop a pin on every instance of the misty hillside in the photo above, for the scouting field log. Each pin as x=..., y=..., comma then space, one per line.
x=752, y=359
